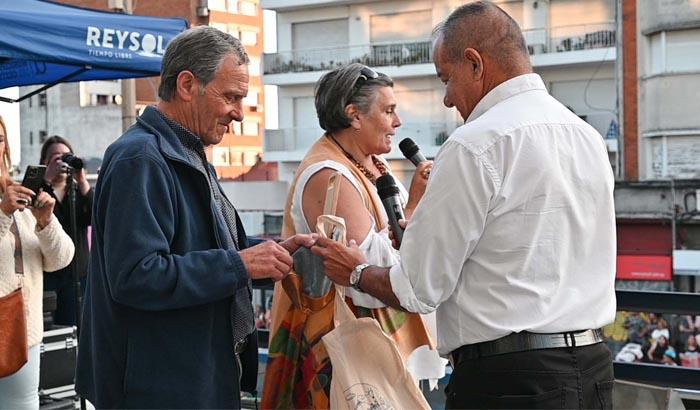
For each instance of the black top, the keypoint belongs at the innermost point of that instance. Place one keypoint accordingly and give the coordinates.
(83, 215)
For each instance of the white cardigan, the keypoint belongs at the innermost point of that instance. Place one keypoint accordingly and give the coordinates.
(47, 250)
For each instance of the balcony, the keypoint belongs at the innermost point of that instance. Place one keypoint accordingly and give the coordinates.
(291, 144)
(374, 55)
(577, 39)
(570, 38)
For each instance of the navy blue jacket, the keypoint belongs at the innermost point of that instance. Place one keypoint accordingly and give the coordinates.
(156, 327)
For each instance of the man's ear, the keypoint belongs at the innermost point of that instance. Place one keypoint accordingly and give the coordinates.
(354, 115)
(187, 85)
(474, 63)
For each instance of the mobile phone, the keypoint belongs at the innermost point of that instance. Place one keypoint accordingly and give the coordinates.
(34, 178)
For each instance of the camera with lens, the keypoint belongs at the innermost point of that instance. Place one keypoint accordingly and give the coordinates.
(72, 161)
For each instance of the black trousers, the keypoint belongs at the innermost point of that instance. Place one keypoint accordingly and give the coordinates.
(562, 378)
(63, 285)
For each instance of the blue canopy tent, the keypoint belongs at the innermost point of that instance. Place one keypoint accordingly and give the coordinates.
(42, 42)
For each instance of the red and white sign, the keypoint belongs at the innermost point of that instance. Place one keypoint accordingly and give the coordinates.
(642, 267)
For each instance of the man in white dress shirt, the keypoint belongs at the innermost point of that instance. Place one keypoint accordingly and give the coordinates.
(513, 243)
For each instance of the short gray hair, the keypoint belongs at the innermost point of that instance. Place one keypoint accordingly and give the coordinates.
(338, 88)
(199, 50)
(484, 26)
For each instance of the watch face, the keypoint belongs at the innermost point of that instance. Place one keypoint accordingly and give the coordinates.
(354, 276)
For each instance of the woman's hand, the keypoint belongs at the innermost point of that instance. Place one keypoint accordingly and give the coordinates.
(418, 185)
(16, 198)
(43, 209)
(82, 181)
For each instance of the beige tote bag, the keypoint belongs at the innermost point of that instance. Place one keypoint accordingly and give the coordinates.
(368, 372)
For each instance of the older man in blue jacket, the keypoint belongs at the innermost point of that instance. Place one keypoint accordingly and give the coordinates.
(168, 318)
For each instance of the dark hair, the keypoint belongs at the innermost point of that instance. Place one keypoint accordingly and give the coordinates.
(468, 24)
(344, 86)
(199, 50)
(56, 139)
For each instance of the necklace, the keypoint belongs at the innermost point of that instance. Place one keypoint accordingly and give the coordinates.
(376, 161)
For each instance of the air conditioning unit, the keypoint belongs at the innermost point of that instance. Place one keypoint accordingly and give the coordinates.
(202, 11)
(686, 262)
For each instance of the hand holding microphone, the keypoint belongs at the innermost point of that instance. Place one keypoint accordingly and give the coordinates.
(420, 179)
(389, 194)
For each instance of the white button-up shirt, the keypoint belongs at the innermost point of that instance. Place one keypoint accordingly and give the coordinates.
(516, 230)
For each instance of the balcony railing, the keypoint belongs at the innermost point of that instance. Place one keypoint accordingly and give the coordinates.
(373, 55)
(545, 40)
(300, 139)
(570, 38)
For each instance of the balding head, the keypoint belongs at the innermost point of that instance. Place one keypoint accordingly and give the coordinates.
(485, 27)
(477, 48)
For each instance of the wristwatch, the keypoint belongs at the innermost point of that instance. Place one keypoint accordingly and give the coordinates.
(356, 275)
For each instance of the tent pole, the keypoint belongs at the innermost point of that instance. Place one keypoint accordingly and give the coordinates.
(128, 88)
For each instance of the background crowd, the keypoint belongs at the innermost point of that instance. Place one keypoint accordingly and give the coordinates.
(654, 338)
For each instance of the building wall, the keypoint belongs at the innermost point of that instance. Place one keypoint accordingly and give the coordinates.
(89, 129)
(669, 88)
(588, 88)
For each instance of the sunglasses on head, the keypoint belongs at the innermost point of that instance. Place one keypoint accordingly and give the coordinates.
(366, 73)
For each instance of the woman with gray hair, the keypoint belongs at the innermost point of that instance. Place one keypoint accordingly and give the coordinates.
(357, 109)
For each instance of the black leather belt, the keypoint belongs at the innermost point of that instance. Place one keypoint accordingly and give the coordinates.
(523, 341)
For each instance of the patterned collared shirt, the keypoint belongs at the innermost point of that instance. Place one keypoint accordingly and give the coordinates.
(194, 149)
(242, 316)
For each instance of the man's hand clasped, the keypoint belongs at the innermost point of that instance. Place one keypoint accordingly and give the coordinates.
(273, 260)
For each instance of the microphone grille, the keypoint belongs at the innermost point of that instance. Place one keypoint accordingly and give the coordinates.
(386, 186)
(408, 147)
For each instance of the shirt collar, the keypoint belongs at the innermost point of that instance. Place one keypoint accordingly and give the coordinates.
(505, 90)
(186, 137)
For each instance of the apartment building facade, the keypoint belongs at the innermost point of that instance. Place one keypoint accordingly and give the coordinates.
(89, 113)
(572, 45)
(668, 78)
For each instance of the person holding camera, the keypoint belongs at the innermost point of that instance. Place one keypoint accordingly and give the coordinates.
(57, 155)
(31, 242)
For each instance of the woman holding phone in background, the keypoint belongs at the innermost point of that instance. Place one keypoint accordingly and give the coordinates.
(31, 241)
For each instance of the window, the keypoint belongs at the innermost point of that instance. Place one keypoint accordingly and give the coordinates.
(232, 6)
(236, 158)
(30, 101)
(305, 36)
(42, 136)
(42, 100)
(250, 158)
(248, 8)
(252, 99)
(31, 137)
(673, 51)
(249, 38)
(218, 5)
(220, 157)
(220, 27)
(237, 128)
(254, 66)
(250, 128)
(401, 27)
(102, 99)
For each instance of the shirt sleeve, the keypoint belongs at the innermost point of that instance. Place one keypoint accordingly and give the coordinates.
(444, 229)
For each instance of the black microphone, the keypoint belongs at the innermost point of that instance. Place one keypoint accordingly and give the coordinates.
(389, 194)
(410, 150)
